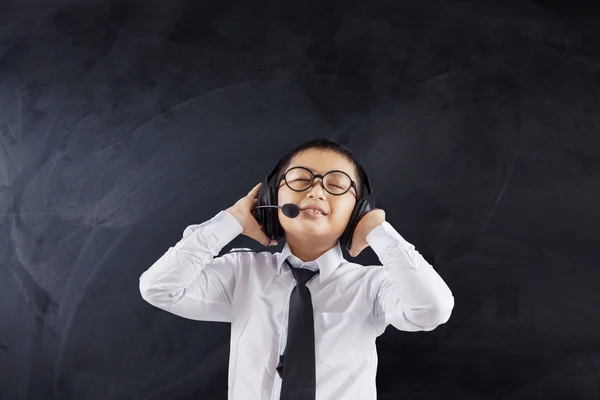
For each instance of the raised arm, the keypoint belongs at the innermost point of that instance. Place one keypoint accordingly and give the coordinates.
(188, 280)
(411, 296)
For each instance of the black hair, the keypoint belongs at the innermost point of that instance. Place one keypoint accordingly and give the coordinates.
(327, 144)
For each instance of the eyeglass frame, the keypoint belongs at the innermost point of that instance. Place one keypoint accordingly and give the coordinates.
(322, 176)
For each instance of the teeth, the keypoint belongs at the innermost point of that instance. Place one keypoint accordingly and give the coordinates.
(315, 211)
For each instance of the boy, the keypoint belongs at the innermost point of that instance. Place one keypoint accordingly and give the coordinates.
(331, 353)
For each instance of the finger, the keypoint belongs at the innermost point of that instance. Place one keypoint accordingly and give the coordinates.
(255, 189)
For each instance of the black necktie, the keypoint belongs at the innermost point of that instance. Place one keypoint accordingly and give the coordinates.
(297, 364)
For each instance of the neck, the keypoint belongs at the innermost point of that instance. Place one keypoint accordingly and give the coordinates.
(308, 251)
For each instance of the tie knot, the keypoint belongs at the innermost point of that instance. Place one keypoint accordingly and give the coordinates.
(302, 275)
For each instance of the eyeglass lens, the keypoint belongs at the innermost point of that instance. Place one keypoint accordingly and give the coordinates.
(300, 179)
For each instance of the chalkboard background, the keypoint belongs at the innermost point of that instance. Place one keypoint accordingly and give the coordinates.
(123, 122)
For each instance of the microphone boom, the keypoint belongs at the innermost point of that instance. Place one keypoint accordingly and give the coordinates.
(290, 210)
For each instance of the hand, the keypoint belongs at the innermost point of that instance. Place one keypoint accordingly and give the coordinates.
(242, 211)
(367, 223)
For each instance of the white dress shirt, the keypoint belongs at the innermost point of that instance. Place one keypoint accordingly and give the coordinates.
(353, 304)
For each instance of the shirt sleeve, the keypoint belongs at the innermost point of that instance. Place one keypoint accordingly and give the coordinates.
(188, 280)
(412, 296)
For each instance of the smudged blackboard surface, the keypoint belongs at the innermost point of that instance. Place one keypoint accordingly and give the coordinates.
(122, 122)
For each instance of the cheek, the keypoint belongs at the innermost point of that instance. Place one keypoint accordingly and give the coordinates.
(286, 198)
(342, 213)
(283, 197)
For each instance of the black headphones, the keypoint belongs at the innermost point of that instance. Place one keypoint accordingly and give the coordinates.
(269, 219)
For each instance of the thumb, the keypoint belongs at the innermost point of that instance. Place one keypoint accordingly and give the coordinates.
(268, 242)
(264, 239)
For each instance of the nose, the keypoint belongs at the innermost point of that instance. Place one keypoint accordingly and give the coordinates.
(320, 185)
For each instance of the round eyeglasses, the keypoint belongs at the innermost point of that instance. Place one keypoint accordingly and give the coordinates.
(335, 182)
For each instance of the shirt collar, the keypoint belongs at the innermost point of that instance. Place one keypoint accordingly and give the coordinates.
(327, 262)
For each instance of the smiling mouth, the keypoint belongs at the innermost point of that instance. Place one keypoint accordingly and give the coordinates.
(313, 213)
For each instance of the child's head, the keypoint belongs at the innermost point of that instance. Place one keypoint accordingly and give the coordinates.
(307, 236)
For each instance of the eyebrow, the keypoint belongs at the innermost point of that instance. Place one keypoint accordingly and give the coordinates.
(304, 166)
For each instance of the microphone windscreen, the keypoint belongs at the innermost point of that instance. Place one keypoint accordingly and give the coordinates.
(290, 210)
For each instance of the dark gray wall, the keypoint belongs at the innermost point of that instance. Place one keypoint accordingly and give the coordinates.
(123, 122)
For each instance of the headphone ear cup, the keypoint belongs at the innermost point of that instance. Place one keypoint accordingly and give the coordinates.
(270, 224)
(276, 229)
(360, 209)
(262, 200)
(268, 217)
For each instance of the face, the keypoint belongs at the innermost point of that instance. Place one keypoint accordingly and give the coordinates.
(320, 231)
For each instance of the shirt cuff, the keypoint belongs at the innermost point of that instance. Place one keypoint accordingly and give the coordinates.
(225, 227)
(217, 231)
(384, 238)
